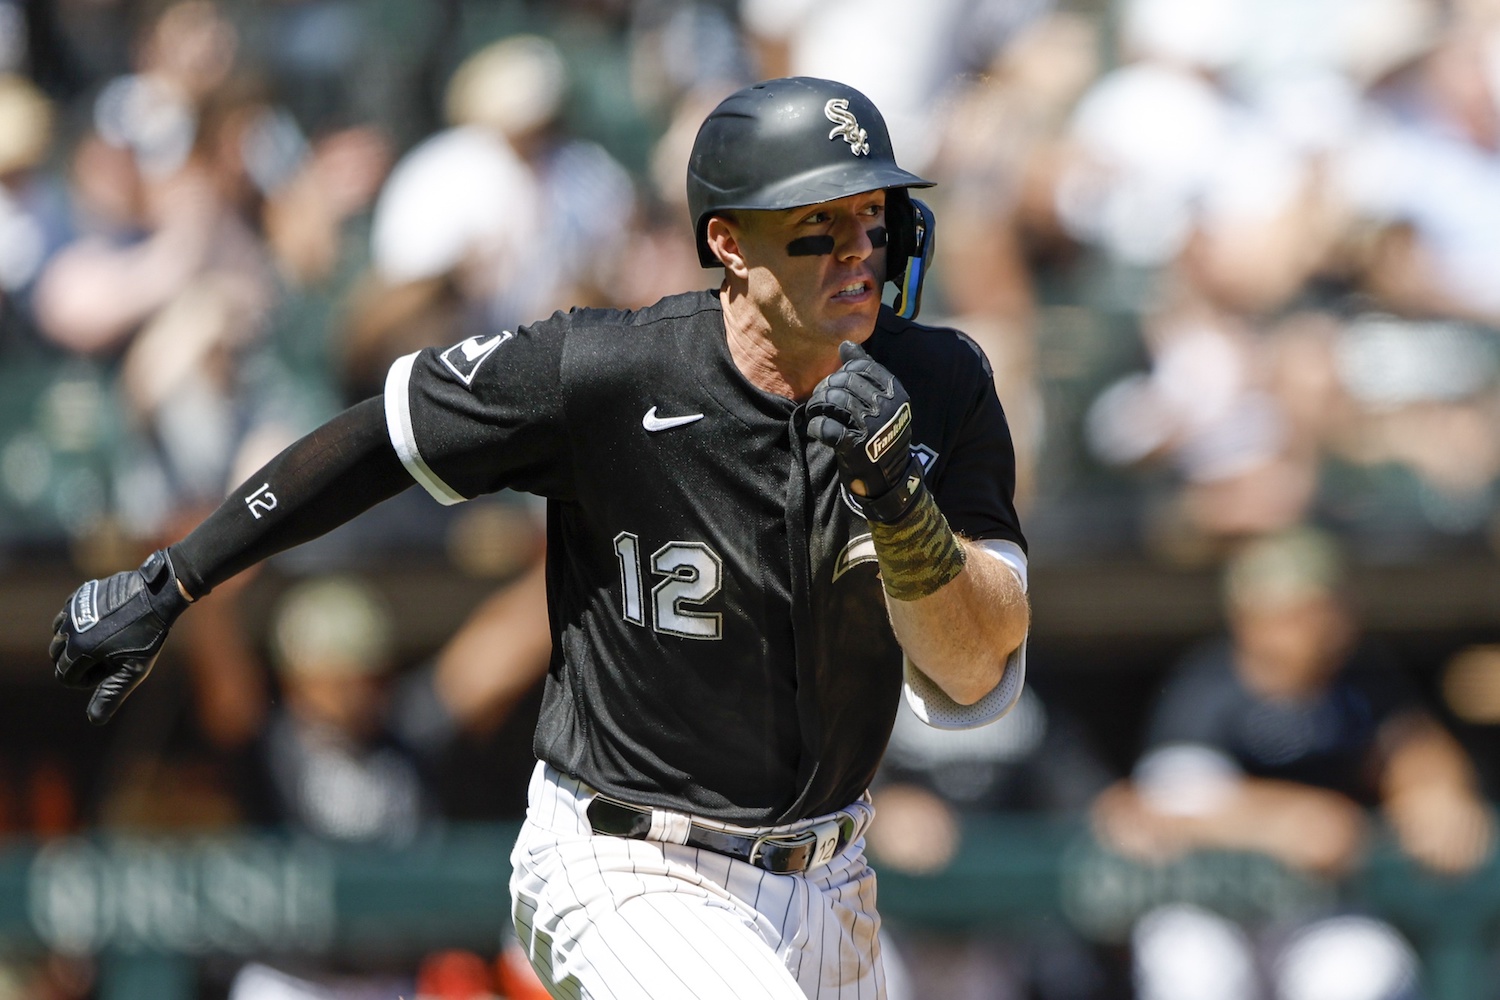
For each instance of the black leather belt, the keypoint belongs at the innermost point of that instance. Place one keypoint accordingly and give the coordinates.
(780, 853)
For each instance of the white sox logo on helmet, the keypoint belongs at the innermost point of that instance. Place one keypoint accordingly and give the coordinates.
(837, 111)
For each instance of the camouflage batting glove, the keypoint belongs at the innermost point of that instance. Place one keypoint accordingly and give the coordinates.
(864, 415)
(109, 633)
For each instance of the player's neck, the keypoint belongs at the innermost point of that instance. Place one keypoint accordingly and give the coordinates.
(774, 361)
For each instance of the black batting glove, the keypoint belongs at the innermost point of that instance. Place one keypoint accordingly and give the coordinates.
(109, 633)
(864, 415)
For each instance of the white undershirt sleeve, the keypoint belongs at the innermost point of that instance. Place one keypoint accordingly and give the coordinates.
(933, 706)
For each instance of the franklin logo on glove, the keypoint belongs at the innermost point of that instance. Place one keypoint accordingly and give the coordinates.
(889, 434)
(85, 607)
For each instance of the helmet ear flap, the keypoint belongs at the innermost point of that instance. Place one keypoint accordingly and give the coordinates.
(908, 299)
(901, 232)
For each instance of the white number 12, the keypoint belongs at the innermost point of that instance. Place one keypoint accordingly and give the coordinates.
(693, 573)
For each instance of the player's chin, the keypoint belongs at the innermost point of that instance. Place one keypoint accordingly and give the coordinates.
(853, 322)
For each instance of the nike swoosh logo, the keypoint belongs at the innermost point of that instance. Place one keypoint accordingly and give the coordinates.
(654, 423)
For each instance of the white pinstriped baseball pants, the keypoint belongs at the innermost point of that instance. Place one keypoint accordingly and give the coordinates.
(604, 918)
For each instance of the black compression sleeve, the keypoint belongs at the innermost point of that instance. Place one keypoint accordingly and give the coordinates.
(327, 478)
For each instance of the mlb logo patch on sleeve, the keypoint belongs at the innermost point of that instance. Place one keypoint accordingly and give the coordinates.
(464, 358)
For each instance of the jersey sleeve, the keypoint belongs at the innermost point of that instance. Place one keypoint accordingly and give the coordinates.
(977, 484)
(484, 414)
(974, 485)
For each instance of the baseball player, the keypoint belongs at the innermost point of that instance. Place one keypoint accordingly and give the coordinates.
(773, 506)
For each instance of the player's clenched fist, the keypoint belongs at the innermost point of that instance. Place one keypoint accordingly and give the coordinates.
(108, 634)
(863, 414)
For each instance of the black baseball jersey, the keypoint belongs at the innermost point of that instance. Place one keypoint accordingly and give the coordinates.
(720, 639)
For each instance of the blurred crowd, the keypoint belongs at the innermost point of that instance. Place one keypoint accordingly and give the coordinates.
(1233, 262)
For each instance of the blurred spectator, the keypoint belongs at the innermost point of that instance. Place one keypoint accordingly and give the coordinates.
(995, 230)
(1417, 441)
(1181, 169)
(1216, 119)
(517, 87)
(334, 766)
(210, 243)
(1295, 207)
(1425, 177)
(318, 52)
(461, 203)
(31, 213)
(1379, 425)
(684, 47)
(1037, 762)
(663, 257)
(355, 748)
(480, 675)
(167, 271)
(354, 751)
(1276, 741)
(908, 67)
(1209, 407)
(316, 226)
(998, 144)
(527, 217)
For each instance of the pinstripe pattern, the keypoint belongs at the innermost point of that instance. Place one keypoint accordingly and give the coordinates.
(604, 917)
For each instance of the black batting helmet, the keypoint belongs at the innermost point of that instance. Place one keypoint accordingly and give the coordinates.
(798, 141)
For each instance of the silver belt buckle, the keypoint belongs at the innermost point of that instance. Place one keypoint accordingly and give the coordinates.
(786, 854)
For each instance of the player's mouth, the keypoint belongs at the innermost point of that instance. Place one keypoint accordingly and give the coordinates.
(853, 291)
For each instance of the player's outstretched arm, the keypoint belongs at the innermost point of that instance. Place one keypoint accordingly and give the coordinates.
(110, 631)
(957, 612)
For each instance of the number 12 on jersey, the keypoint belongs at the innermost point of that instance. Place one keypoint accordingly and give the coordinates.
(692, 573)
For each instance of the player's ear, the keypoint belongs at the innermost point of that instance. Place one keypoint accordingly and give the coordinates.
(723, 240)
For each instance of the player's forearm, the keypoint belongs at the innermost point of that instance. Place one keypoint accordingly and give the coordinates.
(323, 480)
(962, 634)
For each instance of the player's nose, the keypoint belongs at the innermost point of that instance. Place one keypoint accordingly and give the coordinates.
(851, 241)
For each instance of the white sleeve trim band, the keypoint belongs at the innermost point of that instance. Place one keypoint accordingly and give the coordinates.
(398, 425)
(1009, 553)
(933, 706)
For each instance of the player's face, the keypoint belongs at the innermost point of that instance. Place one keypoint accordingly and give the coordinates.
(817, 271)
